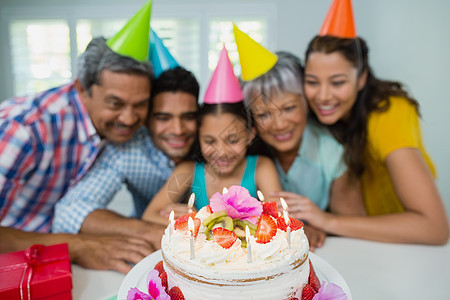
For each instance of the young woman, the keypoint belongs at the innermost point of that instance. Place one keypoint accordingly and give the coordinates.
(307, 157)
(225, 133)
(378, 124)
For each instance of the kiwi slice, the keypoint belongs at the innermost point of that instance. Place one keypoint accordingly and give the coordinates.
(242, 223)
(239, 232)
(228, 223)
(206, 222)
(224, 222)
(212, 223)
(221, 221)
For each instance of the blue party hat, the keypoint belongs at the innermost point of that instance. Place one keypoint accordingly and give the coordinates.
(160, 56)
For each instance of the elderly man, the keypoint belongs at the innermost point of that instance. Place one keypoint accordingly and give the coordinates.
(143, 164)
(48, 141)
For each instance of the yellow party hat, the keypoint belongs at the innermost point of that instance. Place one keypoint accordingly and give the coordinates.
(255, 60)
(133, 39)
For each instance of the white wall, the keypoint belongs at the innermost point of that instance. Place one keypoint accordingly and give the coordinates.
(408, 39)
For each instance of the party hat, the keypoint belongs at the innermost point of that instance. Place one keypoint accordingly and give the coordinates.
(160, 56)
(224, 87)
(132, 39)
(255, 59)
(339, 21)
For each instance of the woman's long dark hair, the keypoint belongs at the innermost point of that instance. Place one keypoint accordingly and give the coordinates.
(375, 96)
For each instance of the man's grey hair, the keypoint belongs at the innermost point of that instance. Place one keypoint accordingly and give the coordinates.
(99, 57)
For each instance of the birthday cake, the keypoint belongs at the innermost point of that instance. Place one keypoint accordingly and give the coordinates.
(234, 248)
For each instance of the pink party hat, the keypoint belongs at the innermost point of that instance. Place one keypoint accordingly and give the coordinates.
(224, 87)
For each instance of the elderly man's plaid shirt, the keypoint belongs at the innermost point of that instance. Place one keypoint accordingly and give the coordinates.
(47, 142)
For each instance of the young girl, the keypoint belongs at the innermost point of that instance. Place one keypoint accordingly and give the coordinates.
(378, 124)
(225, 133)
(224, 136)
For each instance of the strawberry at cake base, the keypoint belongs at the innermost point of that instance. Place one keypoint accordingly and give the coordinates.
(275, 272)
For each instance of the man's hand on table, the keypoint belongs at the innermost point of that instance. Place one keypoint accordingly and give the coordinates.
(117, 253)
(121, 241)
(105, 222)
(151, 233)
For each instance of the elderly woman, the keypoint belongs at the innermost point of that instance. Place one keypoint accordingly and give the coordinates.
(308, 159)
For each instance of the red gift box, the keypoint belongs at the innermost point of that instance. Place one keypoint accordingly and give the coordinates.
(40, 272)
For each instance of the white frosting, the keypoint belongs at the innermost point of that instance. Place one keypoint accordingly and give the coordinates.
(202, 213)
(218, 273)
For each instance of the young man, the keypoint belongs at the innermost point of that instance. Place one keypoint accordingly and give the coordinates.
(143, 164)
(49, 140)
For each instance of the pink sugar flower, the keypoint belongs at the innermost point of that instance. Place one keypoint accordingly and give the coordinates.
(156, 291)
(135, 294)
(238, 203)
(327, 291)
(155, 287)
(330, 291)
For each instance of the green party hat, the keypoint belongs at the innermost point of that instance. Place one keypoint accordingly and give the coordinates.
(133, 39)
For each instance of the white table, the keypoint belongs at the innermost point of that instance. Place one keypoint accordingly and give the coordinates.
(95, 285)
(377, 271)
(372, 270)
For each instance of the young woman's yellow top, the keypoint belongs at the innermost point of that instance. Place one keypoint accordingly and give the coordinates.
(397, 127)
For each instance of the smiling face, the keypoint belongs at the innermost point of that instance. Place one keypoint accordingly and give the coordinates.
(281, 121)
(118, 105)
(331, 86)
(173, 124)
(224, 139)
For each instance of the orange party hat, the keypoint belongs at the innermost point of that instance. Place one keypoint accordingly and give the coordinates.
(339, 21)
